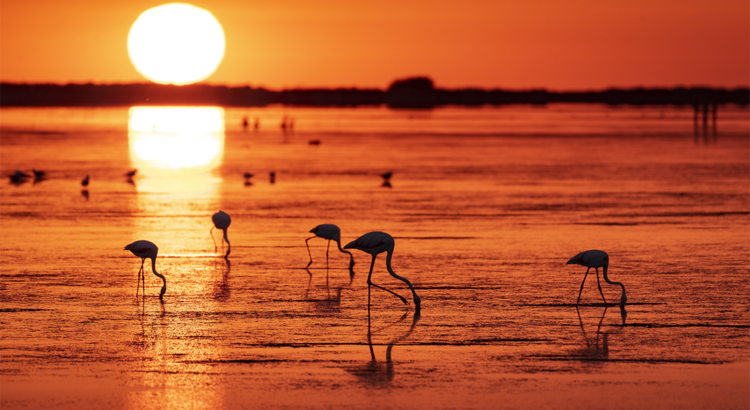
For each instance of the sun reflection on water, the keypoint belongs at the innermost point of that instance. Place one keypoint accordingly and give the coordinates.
(166, 140)
(174, 150)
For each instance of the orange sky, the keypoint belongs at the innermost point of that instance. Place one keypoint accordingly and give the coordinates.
(560, 45)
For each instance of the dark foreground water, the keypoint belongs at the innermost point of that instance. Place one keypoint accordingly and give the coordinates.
(485, 205)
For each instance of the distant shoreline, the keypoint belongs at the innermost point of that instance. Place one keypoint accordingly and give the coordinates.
(92, 95)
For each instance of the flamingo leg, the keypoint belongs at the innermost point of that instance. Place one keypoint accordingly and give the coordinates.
(369, 282)
(139, 279)
(308, 251)
(327, 248)
(584, 281)
(600, 286)
(211, 232)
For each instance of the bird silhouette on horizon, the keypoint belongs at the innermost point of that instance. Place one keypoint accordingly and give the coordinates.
(596, 259)
(376, 243)
(85, 181)
(146, 249)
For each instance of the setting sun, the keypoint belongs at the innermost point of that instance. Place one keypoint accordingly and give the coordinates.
(176, 43)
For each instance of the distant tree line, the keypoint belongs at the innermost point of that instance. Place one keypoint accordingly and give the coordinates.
(415, 92)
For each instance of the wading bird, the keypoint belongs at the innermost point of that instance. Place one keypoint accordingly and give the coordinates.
(131, 174)
(18, 177)
(143, 250)
(85, 181)
(221, 221)
(596, 259)
(375, 243)
(332, 233)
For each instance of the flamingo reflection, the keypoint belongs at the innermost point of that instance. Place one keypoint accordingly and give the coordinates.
(376, 373)
(223, 291)
(597, 347)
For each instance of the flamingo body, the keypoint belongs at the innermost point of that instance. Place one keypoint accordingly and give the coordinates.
(147, 249)
(221, 221)
(596, 259)
(376, 243)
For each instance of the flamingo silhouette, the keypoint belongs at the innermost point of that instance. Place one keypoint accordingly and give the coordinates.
(332, 233)
(375, 243)
(221, 221)
(596, 259)
(146, 249)
(85, 181)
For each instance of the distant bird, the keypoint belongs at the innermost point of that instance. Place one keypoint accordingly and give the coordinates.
(596, 259)
(18, 177)
(314, 142)
(332, 233)
(244, 123)
(85, 181)
(38, 174)
(143, 250)
(375, 243)
(272, 177)
(131, 174)
(387, 179)
(247, 175)
(221, 221)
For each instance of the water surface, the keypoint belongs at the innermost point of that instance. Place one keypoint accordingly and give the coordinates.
(485, 205)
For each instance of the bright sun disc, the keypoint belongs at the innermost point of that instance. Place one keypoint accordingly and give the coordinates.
(176, 43)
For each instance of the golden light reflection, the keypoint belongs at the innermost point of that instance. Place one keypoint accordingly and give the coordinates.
(169, 140)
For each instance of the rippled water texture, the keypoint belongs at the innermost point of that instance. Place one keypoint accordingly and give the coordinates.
(485, 205)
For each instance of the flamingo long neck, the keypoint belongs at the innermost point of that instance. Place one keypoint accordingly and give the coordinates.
(623, 298)
(417, 300)
(229, 245)
(351, 257)
(153, 269)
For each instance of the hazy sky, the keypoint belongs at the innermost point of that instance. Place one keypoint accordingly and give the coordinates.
(560, 45)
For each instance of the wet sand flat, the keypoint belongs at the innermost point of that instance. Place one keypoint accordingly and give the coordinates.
(485, 206)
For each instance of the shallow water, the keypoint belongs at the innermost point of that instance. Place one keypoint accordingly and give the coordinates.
(485, 205)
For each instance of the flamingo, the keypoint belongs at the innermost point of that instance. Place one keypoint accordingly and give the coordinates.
(332, 233)
(596, 259)
(131, 174)
(85, 181)
(221, 221)
(146, 249)
(375, 243)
